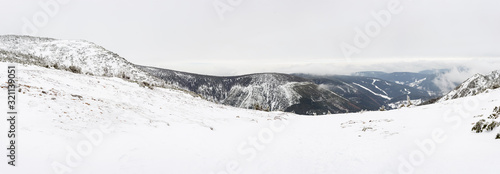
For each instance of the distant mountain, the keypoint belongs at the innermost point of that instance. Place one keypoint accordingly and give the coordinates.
(299, 93)
(78, 56)
(367, 92)
(423, 80)
(475, 85)
(268, 90)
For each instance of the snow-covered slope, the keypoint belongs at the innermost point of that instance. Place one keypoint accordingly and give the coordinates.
(475, 85)
(73, 55)
(168, 131)
(423, 80)
(273, 91)
(366, 92)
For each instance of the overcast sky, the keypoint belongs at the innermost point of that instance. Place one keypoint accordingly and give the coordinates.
(229, 37)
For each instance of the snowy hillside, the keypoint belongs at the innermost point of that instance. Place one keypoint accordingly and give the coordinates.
(423, 80)
(367, 92)
(273, 91)
(475, 85)
(75, 123)
(78, 56)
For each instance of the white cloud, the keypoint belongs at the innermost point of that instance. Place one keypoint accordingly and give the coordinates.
(271, 36)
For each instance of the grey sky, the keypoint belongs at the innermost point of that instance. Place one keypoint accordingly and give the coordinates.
(272, 35)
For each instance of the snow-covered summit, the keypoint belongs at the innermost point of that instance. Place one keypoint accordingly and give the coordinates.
(74, 55)
(475, 85)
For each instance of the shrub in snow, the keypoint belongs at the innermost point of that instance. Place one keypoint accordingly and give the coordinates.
(366, 128)
(498, 136)
(482, 125)
(123, 76)
(495, 114)
(266, 109)
(75, 69)
(492, 126)
(478, 127)
(257, 107)
(146, 85)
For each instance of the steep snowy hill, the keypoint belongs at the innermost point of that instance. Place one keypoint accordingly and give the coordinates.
(276, 92)
(75, 123)
(78, 56)
(475, 85)
(368, 93)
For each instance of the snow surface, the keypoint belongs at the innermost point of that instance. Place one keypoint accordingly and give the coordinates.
(169, 131)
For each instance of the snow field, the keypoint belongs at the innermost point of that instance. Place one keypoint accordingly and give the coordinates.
(169, 131)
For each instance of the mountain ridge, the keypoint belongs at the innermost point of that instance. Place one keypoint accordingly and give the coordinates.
(299, 93)
(422, 80)
(78, 56)
(476, 84)
(274, 91)
(371, 93)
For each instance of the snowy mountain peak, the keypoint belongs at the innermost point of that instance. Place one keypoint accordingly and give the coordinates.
(78, 56)
(477, 84)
